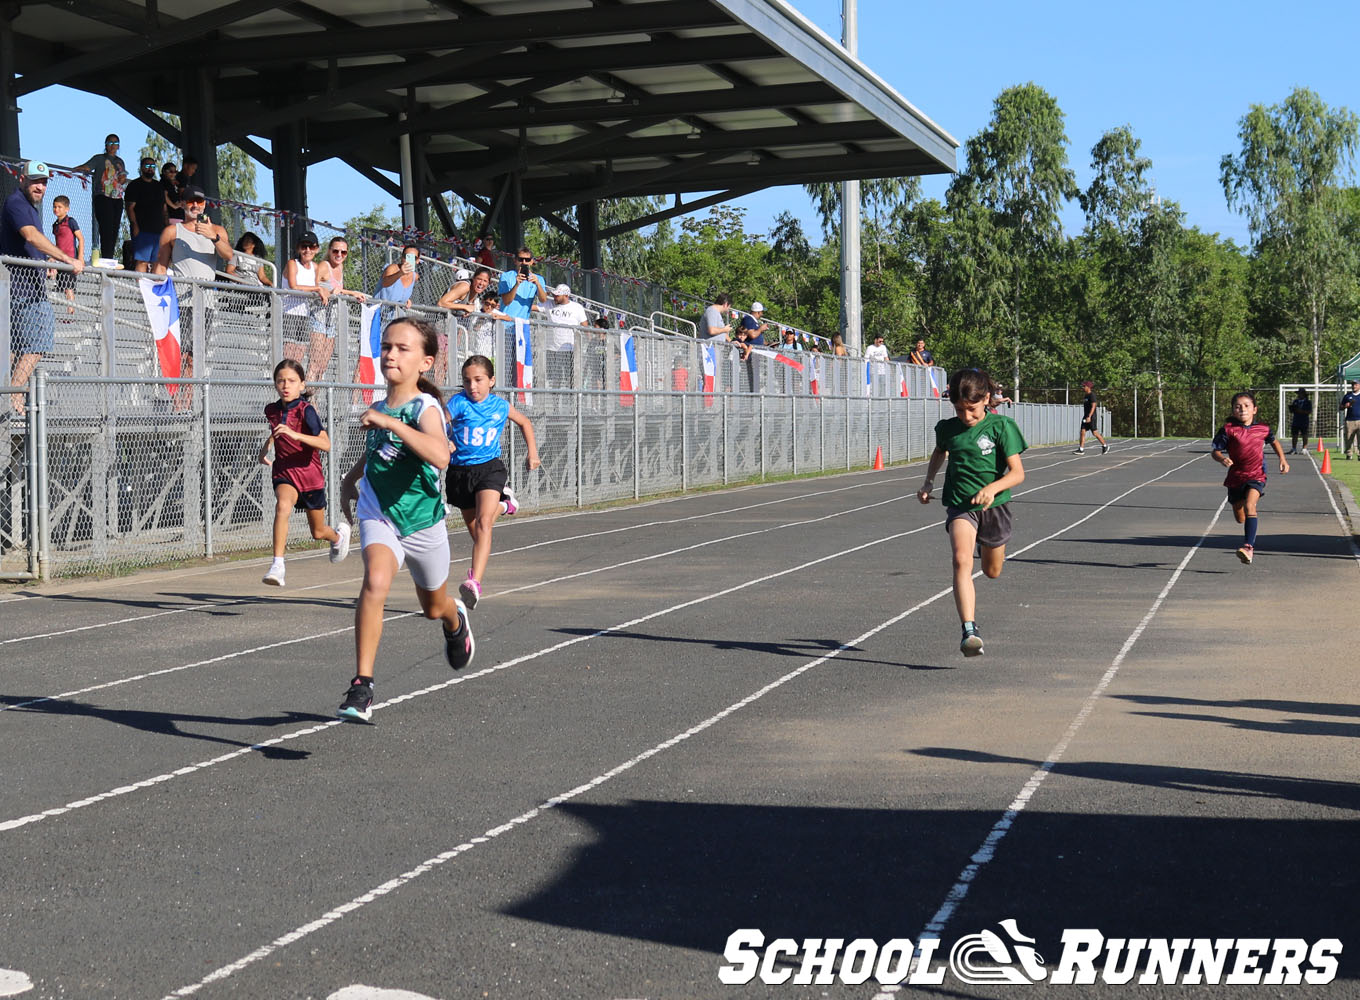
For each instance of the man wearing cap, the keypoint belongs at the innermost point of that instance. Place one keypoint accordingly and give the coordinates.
(31, 323)
(145, 198)
(110, 178)
(194, 248)
(565, 315)
(751, 333)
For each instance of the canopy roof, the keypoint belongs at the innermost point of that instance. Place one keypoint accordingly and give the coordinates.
(577, 99)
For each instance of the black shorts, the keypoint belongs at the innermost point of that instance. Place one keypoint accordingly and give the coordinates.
(1236, 494)
(464, 482)
(1297, 426)
(307, 499)
(1088, 425)
(993, 524)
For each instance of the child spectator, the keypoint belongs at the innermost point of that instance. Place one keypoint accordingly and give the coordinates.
(70, 240)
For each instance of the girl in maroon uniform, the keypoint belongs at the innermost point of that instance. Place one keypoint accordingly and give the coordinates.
(298, 439)
(1240, 448)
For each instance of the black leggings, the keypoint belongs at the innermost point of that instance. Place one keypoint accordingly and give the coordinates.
(108, 215)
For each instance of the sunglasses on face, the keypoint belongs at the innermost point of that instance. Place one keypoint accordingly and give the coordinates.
(525, 260)
(195, 201)
(342, 253)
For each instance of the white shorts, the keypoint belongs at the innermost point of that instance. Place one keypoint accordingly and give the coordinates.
(426, 549)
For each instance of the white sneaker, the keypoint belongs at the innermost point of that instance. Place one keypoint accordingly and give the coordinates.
(340, 547)
(509, 504)
(275, 575)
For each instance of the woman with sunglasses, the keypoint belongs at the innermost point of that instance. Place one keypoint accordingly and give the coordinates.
(521, 288)
(332, 276)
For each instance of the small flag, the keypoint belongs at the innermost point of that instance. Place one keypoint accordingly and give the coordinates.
(370, 347)
(162, 310)
(628, 380)
(902, 381)
(868, 378)
(934, 386)
(710, 372)
(524, 360)
(765, 352)
(813, 375)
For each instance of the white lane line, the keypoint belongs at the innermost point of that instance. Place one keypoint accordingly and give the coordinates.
(1346, 530)
(987, 849)
(393, 884)
(13, 982)
(505, 665)
(124, 621)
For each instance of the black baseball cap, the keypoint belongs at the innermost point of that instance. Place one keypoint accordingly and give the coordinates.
(308, 239)
(194, 193)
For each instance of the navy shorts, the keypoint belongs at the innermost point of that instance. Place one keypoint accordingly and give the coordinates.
(1236, 494)
(464, 482)
(32, 326)
(145, 246)
(993, 524)
(307, 499)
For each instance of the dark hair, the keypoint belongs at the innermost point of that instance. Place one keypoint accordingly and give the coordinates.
(524, 250)
(168, 165)
(429, 342)
(338, 239)
(1247, 393)
(968, 385)
(480, 361)
(409, 246)
(722, 299)
(491, 296)
(61, 199)
(479, 271)
(289, 364)
(255, 242)
(189, 159)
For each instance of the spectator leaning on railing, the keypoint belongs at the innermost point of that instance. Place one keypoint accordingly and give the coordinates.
(31, 323)
(711, 323)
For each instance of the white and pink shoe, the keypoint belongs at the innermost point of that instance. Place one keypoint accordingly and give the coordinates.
(470, 591)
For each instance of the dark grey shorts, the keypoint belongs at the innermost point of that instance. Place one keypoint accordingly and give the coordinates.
(993, 524)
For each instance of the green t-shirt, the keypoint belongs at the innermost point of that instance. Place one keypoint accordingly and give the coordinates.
(397, 481)
(977, 457)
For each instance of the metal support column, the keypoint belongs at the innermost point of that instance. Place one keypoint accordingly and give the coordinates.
(588, 226)
(200, 127)
(9, 105)
(850, 264)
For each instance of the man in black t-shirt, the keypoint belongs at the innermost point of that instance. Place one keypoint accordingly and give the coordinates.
(145, 200)
(1088, 421)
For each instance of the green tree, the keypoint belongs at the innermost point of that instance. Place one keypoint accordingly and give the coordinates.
(235, 169)
(1287, 180)
(1008, 203)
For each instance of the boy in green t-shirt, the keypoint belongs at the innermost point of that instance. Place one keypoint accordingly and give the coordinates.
(984, 463)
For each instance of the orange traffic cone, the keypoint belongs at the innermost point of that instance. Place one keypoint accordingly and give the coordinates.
(878, 460)
(1326, 463)
(1319, 447)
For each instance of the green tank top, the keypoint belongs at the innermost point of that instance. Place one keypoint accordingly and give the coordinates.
(404, 485)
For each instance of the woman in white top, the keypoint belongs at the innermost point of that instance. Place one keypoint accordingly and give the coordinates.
(194, 248)
(304, 314)
(336, 252)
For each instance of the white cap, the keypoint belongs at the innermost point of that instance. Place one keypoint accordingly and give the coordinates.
(562, 290)
(462, 274)
(757, 307)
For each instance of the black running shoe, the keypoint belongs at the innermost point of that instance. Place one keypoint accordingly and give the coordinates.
(1104, 448)
(358, 703)
(971, 642)
(459, 646)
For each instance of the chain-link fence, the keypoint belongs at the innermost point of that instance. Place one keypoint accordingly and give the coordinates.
(129, 471)
(18, 490)
(1192, 411)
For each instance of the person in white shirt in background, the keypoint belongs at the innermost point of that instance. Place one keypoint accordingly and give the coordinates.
(564, 314)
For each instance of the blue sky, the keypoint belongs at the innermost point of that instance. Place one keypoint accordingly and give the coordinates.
(1181, 74)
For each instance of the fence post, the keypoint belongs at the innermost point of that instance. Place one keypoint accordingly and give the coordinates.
(821, 436)
(684, 443)
(793, 432)
(637, 448)
(207, 471)
(847, 427)
(760, 438)
(333, 494)
(580, 454)
(725, 440)
(31, 434)
(1135, 413)
(1213, 408)
(44, 524)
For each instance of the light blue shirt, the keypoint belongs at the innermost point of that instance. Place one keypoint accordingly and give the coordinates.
(526, 294)
(477, 428)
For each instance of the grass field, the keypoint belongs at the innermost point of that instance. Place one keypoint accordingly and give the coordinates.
(1347, 471)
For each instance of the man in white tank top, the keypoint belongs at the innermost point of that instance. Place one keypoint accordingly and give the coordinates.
(194, 248)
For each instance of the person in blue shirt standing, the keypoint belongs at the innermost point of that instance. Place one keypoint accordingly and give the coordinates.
(477, 479)
(521, 288)
(32, 325)
(1350, 406)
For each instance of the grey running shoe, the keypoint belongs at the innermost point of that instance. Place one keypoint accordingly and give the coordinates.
(971, 642)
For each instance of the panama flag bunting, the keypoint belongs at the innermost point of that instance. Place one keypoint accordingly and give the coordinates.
(813, 375)
(710, 373)
(524, 361)
(628, 380)
(934, 385)
(902, 381)
(783, 358)
(370, 348)
(162, 310)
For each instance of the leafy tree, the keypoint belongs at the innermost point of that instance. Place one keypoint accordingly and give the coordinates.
(235, 169)
(1287, 180)
(1009, 201)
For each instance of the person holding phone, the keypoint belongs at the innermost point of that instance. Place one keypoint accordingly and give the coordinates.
(521, 288)
(399, 277)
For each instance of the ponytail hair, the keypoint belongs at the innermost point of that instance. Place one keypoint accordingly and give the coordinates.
(429, 344)
(968, 385)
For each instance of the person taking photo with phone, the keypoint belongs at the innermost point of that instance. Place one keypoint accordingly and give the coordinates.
(521, 288)
(399, 277)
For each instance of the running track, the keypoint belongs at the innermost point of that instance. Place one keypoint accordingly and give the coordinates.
(735, 709)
